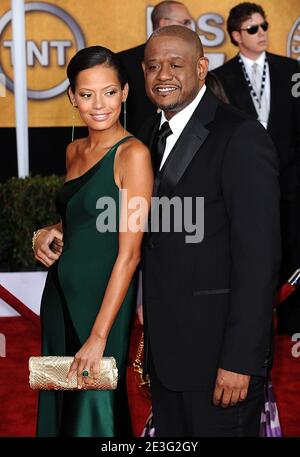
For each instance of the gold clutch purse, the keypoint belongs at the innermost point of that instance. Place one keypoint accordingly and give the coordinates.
(50, 373)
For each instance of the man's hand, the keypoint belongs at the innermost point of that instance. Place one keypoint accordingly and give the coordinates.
(230, 388)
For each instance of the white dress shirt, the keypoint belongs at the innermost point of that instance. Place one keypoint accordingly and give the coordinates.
(178, 122)
(263, 115)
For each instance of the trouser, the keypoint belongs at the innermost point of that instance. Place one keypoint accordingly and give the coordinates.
(192, 414)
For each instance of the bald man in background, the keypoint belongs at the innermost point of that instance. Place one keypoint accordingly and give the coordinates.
(139, 107)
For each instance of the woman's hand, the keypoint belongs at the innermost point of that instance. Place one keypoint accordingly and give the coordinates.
(49, 236)
(88, 358)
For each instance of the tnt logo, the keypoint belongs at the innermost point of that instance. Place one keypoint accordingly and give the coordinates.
(52, 37)
(2, 345)
(296, 348)
(293, 43)
(42, 54)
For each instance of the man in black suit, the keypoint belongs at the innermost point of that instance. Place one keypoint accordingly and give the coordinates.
(260, 83)
(139, 107)
(207, 305)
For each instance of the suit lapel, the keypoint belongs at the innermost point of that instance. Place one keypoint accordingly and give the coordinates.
(187, 145)
(180, 157)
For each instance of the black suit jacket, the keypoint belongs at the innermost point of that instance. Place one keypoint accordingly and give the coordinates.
(209, 305)
(139, 107)
(284, 119)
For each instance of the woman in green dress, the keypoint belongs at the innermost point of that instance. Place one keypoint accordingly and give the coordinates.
(88, 302)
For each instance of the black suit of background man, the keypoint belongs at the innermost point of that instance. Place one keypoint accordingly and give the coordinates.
(284, 129)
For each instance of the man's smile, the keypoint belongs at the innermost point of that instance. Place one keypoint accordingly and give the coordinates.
(164, 90)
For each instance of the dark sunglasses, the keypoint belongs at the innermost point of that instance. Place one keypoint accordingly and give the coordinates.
(253, 29)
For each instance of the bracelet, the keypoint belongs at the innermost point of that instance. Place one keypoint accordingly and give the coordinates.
(35, 236)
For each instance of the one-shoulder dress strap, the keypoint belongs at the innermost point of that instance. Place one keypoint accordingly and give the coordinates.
(122, 141)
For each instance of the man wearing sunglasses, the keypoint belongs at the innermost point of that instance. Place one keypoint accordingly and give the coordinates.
(260, 83)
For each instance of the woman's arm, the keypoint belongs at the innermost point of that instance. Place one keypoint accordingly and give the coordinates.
(42, 241)
(53, 234)
(136, 177)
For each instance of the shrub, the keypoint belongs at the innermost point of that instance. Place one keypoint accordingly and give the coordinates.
(25, 205)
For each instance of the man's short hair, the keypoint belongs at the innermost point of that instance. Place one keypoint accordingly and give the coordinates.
(179, 32)
(240, 13)
(161, 10)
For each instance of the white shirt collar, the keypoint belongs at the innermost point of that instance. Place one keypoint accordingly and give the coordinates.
(179, 120)
(249, 62)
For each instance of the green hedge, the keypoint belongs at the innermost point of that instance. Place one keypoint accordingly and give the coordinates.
(25, 205)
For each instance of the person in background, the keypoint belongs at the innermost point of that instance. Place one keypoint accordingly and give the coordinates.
(260, 83)
(139, 107)
(214, 84)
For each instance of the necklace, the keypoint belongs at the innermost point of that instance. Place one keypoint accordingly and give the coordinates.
(256, 97)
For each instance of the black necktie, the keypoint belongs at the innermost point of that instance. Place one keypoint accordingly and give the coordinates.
(162, 136)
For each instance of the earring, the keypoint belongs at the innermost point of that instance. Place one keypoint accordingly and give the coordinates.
(124, 115)
(73, 123)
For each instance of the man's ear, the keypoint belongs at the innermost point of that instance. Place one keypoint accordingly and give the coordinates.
(202, 67)
(236, 36)
(125, 92)
(144, 67)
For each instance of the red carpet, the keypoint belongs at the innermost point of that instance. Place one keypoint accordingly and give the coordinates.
(19, 402)
(16, 398)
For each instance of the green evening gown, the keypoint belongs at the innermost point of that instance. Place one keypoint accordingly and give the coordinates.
(71, 299)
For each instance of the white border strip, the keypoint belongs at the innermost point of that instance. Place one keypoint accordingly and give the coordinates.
(20, 82)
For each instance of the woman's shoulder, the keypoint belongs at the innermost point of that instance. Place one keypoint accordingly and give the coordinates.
(75, 145)
(133, 148)
(72, 150)
(133, 157)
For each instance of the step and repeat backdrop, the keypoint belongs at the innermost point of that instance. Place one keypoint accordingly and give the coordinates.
(55, 30)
